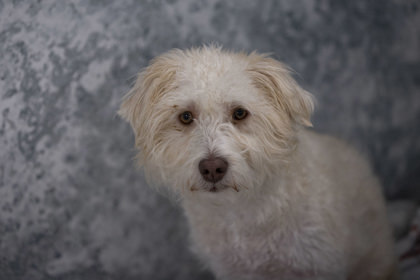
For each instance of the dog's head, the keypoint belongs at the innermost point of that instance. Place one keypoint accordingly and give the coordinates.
(208, 120)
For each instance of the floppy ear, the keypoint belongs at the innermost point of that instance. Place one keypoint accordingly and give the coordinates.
(152, 83)
(273, 78)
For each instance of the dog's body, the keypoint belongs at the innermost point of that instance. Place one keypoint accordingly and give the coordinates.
(265, 197)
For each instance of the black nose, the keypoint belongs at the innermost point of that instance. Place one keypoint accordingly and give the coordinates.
(213, 169)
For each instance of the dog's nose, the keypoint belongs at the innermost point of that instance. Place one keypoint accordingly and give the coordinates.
(213, 169)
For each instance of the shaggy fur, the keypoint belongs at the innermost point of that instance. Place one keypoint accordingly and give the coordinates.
(293, 204)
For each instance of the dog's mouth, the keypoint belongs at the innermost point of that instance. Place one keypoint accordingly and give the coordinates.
(215, 188)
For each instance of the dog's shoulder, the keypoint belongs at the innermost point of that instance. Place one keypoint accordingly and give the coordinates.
(329, 149)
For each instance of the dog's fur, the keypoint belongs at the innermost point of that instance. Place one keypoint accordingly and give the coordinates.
(293, 204)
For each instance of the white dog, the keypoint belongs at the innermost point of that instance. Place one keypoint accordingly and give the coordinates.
(265, 197)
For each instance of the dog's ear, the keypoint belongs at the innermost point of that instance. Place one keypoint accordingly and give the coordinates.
(272, 77)
(151, 84)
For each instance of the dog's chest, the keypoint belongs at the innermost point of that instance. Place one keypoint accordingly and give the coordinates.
(237, 246)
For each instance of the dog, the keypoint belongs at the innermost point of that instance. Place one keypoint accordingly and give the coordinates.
(265, 196)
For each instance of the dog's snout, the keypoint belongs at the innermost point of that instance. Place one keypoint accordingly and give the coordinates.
(213, 169)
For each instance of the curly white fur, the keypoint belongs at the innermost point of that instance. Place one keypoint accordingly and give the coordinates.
(293, 204)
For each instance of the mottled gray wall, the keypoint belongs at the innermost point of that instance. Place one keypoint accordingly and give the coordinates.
(72, 206)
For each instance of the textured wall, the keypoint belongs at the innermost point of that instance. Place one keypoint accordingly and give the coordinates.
(72, 206)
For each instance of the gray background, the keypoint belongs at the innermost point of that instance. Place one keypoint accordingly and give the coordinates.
(72, 206)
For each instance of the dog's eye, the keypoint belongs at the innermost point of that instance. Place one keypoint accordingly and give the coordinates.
(239, 114)
(186, 117)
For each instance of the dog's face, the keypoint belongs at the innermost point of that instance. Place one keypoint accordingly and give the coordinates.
(206, 120)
